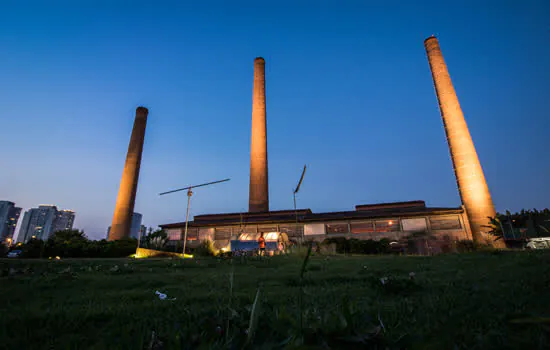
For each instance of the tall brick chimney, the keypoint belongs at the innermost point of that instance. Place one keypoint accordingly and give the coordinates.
(259, 192)
(472, 186)
(122, 218)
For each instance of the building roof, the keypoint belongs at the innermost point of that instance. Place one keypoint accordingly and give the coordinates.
(369, 211)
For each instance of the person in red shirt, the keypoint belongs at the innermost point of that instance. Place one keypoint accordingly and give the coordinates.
(261, 244)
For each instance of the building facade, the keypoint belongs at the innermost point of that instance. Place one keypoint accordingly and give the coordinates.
(394, 221)
(9, 216)
(143, 231)
(41, 222)
(37, 223)
(64, 220)
(135, 228)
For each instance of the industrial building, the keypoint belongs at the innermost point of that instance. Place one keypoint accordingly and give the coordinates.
(394, 221)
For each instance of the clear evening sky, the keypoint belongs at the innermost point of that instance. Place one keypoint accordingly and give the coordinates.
(349, 93)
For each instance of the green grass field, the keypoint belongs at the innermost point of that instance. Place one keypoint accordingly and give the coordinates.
(497, 300)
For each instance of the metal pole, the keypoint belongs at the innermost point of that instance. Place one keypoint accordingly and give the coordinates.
(512, 226)
(502, 228)
(189, 194)
(295, 210)
(296, 215)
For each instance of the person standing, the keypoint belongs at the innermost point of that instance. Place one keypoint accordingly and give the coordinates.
(284, 241)
(261, 244)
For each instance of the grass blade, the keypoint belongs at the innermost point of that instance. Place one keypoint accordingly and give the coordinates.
(230, 301)
(306, 260)
(301, 289)
(254, 316)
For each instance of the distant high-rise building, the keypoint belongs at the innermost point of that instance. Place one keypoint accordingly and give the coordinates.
(13, 218)
(64, 220)
(41, 222)
(135, 228)
(9, 215)
(136, 225)
(37, 223)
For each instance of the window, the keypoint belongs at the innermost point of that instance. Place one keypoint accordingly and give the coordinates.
(245, 229)
(387, 225)
(314, 229)
(362, 227)
(206, 234)
(445, 223)
(192, 233)
(174, 234)
(267, 228)
(414, 225)
(337, 228)
(291, 230)
(222, 233)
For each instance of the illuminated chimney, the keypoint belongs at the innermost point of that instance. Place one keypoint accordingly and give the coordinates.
(122, 218)
(468, 172)
(259, 191)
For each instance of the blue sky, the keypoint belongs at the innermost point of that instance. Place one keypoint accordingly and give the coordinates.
(349, 93)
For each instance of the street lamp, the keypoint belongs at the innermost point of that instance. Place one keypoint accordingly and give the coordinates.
(189, 194)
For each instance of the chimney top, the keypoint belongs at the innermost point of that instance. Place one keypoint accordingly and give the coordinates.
(430, 38)
(142, 111)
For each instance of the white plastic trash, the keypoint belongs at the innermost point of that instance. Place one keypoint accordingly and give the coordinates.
(163, 296)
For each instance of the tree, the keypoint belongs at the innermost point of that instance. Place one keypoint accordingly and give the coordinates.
(33, 248)
(73, 243)
(495, 228)
(68, 237)
(520, 225)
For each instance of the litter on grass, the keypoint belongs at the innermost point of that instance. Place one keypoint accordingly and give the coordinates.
(163, 296)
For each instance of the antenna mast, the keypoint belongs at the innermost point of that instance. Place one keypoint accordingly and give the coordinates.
(189, 194)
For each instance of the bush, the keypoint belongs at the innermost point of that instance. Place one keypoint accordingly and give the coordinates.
(206, 248)
(464, 246)
(3, 250)
(34, 248)
(357, 246)
(79, 248)
(157, 240)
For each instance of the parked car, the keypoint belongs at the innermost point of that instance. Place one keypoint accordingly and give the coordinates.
(538, 243)
(14, 253)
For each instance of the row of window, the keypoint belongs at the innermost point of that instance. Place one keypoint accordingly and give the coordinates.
(396, 225)
(391, 225)
(450, 222)
(225, 233)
